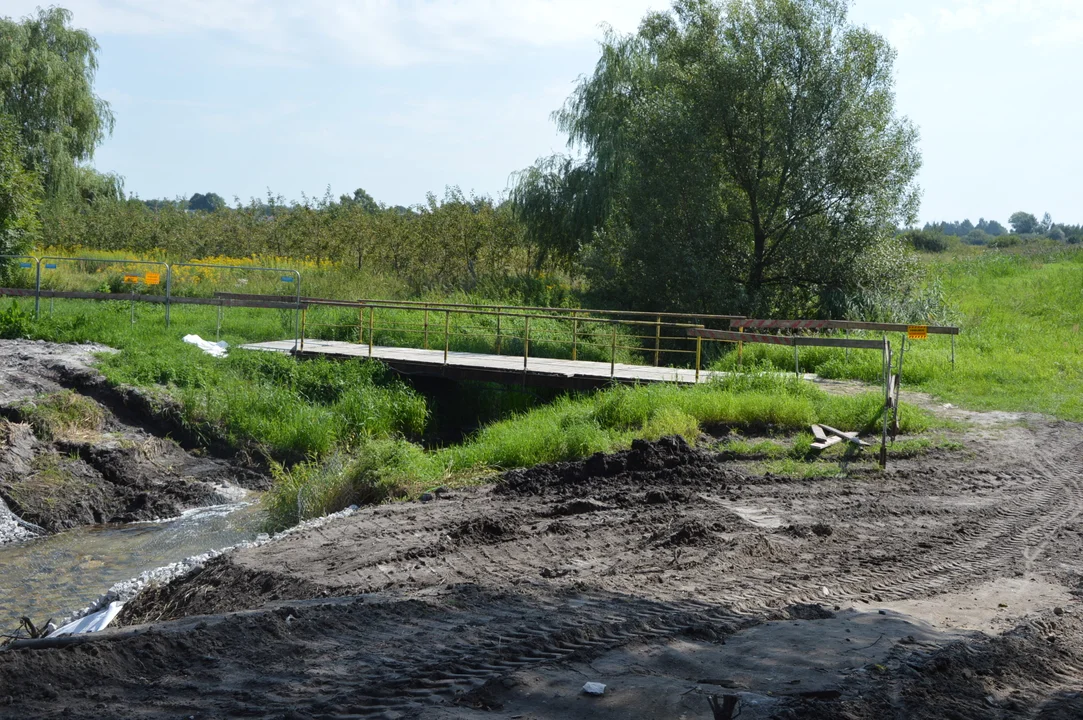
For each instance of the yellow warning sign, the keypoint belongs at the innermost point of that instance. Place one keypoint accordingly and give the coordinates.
(153, 278)
(917, 332)
(132, 278)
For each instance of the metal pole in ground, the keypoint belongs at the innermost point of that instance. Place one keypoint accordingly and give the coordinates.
(699, 354)
(426, 327)
(953, 352)
(796, 358)
(37, 292)
(168, 290)
(898, 385)
(218, 329)
(885, 373)
(499, 339)
(304, 317)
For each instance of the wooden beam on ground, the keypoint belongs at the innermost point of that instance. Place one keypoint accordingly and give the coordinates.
(848, 436)
(819, 433)
(826, 443)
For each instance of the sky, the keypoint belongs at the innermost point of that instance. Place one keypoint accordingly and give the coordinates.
(239, 97)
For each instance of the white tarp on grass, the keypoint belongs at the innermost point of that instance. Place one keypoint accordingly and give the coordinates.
(217, 349)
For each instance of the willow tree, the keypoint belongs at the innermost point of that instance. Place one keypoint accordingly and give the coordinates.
(47, 73)
(741, 155)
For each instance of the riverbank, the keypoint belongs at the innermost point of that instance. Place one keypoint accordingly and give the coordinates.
(667, 572)
(76, 450)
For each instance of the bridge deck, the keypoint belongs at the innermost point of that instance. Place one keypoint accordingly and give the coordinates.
(544, 372)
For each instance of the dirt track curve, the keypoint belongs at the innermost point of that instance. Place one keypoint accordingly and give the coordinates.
(465, 604)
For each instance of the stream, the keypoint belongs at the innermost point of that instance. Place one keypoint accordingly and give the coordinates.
(56, 575)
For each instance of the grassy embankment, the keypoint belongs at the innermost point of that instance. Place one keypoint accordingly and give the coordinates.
(340, 433)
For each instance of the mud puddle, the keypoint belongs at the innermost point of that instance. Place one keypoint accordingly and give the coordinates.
(55, 575)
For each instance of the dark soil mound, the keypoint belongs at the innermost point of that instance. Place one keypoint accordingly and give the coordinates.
(685, 533)
(485, 530)
(219, 586)
(659, 468)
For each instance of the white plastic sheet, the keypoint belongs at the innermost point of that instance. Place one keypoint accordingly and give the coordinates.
(217, 349)
(90, 623)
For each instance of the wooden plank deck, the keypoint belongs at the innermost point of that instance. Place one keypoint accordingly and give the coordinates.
(507, 369)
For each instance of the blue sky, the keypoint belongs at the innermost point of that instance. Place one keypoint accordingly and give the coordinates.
(403, 98)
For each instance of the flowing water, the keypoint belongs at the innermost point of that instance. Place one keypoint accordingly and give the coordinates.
(53, 576)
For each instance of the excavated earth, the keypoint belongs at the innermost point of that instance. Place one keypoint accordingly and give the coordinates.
(126, 468)
(946, 586)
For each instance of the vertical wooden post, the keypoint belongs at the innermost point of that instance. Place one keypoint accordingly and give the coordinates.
(575, 333)
(657, 338)
(447, 333)
(372, 312)
(426, 327)
(526, 342)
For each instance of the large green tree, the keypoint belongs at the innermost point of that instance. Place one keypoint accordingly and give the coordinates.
(739, 155)
(47, 73)
(19, 196)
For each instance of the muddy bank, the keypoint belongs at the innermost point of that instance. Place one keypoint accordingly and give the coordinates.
(667, 572)
(76, 451)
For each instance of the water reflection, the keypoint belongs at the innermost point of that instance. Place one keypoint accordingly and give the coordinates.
(58, 574)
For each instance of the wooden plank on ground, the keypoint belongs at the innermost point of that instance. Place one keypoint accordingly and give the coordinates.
(819, 433)
(850, 436)
(824, 444)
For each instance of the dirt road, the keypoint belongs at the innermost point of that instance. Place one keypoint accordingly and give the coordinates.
(664, 572)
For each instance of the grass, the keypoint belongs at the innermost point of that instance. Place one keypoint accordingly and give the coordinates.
(63, 414)
(1020, 349)
(574, 426)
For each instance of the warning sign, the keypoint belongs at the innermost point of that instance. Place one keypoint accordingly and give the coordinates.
(917, 332)
(132, 278)
(153, 278)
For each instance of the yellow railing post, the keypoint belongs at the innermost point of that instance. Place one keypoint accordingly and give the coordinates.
(447, 333)
(372, 313)
(426, 327)
(575, 333)
(699, 355)
(613, 352)
(526, 342)
(657, 338)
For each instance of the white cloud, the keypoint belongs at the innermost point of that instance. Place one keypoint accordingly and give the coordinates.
(366, 32)
(905, 31)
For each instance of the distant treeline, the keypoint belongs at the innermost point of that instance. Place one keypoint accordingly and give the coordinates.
(937, 237)
(446, 243)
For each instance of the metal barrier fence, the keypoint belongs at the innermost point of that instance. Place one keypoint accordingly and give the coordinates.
(165, 277)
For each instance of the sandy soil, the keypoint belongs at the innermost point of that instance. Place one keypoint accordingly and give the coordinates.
(128, 469)
(664, 572)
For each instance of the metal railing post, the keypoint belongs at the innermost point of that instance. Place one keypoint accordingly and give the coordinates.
(361, 324)
(953, 352)
(426, 327)
(613, 353)
(796, 358)
(304, 315)
(526, 342)
(657, 338)
(740, 348)
(447, 333)
(498, 337)
(218, 329)
(699, 355)
(372, 325)
(575, 333)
